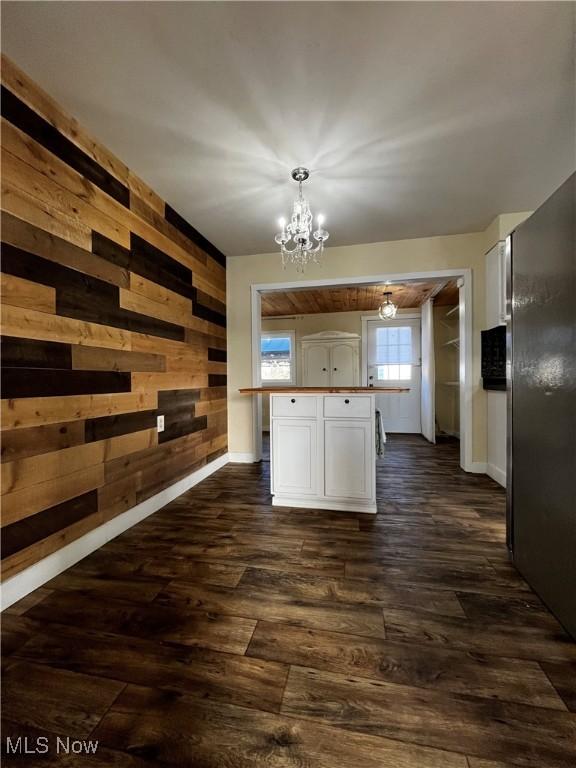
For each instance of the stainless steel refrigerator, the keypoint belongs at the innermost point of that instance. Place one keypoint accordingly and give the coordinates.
(542, 402)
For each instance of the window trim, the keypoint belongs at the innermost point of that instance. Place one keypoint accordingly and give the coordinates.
(293, 357)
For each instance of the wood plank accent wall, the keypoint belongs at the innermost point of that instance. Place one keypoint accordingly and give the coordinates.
(113, 312)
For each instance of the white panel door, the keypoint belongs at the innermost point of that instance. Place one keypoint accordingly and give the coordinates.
(295, 457)
(348, 465)
(343, 364)
(393, 360)
(315, 365)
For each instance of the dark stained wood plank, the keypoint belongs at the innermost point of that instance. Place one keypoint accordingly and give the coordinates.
(451, 576)
(20, 607)
(491, 729)
(280, 559)
(105, 427)
(264, 604)
(298, 587)
(438, 669)
(192, 234)
(190, 627)
(96, 583)
(525, 611)
(217, 355)
(563, 678)
(22, 443)
(39, 382)
(198, 672)
(55, 699)
(20, 115)
(172, 568)
(479, 637)
(31, 353)
(16, 630)
(179, 730)
(31, 530)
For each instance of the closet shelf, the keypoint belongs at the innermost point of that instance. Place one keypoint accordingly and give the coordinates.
(455, 342)
(452, 311)
(451, 383)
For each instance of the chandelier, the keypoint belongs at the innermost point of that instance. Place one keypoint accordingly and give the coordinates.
(387, 310)
(304, 249)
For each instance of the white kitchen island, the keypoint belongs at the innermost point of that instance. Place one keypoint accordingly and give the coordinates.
(323, 453)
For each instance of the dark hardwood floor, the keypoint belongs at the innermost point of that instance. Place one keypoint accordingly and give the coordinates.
(224, 633)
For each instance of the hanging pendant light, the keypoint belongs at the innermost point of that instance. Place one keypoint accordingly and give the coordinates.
(387, 310)
(307, 245)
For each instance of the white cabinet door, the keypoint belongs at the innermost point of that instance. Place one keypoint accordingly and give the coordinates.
(495, 275)
(344, 364)
(295, 457)
(315, 365)
(349, 459)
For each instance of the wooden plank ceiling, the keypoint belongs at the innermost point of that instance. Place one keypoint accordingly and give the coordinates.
(355, 298)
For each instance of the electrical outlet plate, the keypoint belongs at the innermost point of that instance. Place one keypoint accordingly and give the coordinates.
(160, 423)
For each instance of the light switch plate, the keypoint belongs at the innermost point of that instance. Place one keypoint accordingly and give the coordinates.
(160, 423)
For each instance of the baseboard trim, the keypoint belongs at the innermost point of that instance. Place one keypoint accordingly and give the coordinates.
(36, 575)
(497, 474)
(242, 458)
(335, 506)
(477, 467)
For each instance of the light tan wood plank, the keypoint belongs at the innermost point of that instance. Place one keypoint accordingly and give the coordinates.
(21, 504)
(146, 288)
(27, 207)
(204, 407)
(31, 324)
(22, 176)
(32, 412)
(99, 359)
(152, 382)
(19, 292)
(218, 292)
(39, 469)
(145, 193)
(22, 443)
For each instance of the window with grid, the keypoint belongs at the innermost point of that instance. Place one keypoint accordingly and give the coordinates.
(393, 353)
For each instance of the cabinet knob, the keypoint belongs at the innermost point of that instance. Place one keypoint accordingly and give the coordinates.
(346, 401)
(324, 369)
(293, 400)
(335, 369)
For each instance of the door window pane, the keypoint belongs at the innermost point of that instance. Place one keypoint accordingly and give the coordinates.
(393, 345)
(394, 372)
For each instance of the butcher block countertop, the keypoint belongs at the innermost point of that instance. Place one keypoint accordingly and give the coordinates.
(319, 390)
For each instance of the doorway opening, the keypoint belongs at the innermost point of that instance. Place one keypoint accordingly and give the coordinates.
(302, 335)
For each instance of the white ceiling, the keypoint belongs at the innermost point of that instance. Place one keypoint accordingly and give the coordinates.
(417, 119)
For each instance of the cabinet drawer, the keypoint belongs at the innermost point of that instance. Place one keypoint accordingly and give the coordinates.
(343, 406)
(294, 405)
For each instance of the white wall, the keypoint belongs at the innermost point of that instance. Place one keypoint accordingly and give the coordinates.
(395, 257)
(453, 252)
